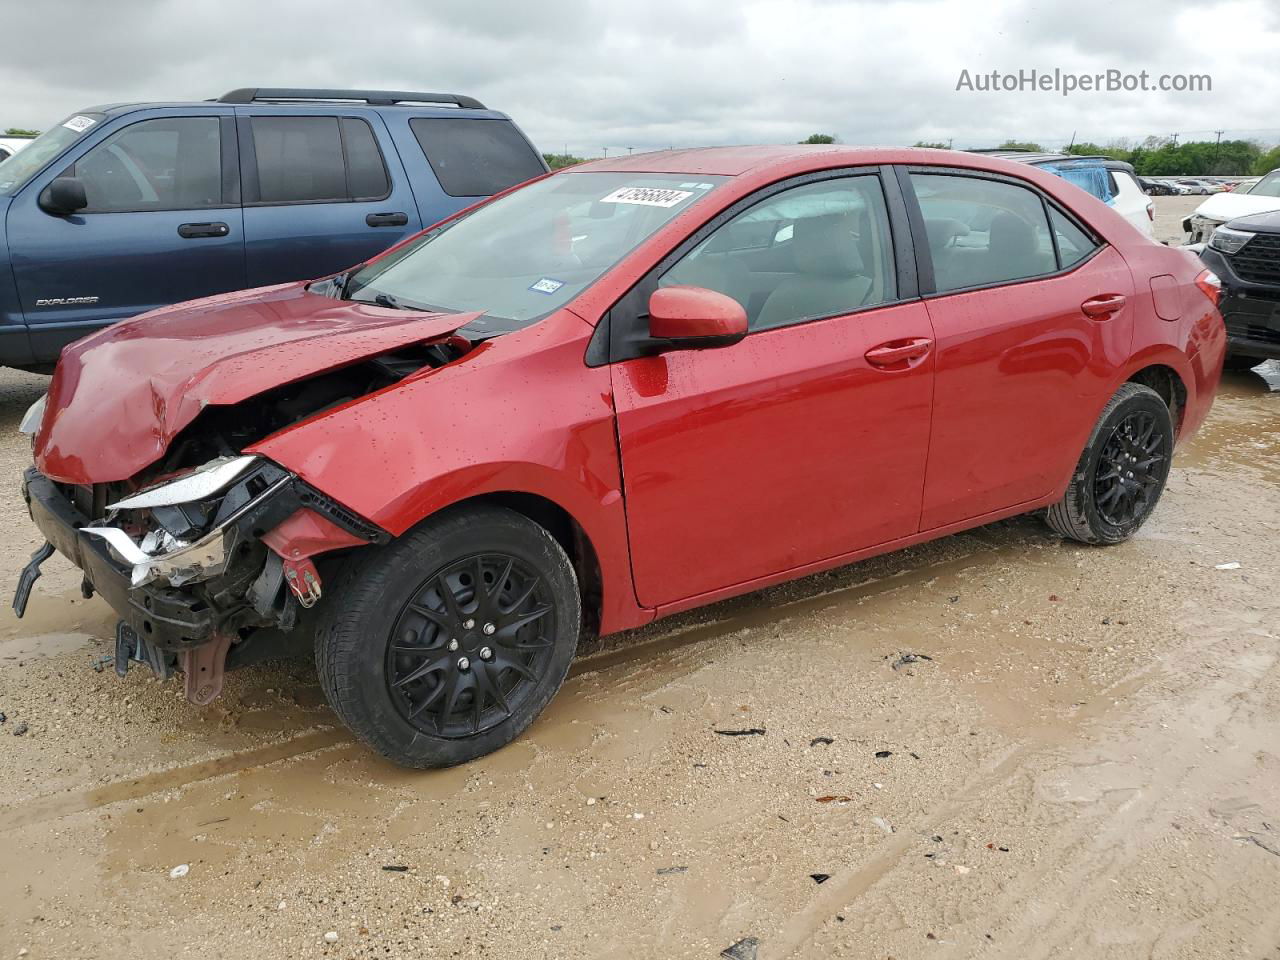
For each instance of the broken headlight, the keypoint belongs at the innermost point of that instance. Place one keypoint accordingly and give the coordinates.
(185, 529)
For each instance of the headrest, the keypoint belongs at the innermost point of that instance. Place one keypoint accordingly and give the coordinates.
(826, 246)
(1011, 236)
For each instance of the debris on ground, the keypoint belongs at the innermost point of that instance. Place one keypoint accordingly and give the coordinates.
(3, 718)
(882, 754)
(668, 871)
(992, 846)
(331, 936)
(1054, 598)
(744, 949)
(395, 868)
(827, 741)
(1233, 565)
(20, 729)
(883, 824)
(752, 732)
(180, 871)
(834, 799)
(819, 878)
(908, 658)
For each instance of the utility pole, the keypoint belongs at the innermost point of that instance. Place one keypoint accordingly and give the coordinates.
(606, 153)
(629, 149)
(1174, 138)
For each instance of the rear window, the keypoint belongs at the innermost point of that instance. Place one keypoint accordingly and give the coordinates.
(317, 159)
(475, 158)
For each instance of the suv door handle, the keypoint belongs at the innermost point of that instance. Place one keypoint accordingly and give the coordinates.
(895, 352)
(387, 219)
(1102, 307)
(192, 230)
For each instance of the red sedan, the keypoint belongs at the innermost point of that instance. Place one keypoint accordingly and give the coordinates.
(619, 391)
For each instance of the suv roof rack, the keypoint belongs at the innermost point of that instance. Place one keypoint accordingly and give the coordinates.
(372, 97)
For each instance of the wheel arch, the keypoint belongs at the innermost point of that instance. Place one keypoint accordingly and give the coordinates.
(569, 533)
(1167, 382)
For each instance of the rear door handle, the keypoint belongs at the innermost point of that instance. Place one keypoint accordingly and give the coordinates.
(387, 219)
(192, 230)
(1102, 307)
(898, 354)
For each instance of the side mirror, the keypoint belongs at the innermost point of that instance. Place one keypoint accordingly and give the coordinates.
(692, 318)
(63, 196)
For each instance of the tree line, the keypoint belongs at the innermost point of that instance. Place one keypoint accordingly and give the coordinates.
(1165, 157)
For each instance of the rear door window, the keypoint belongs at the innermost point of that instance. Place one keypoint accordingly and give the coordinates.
(318, 160)
(983, 232)
(173, 163)
(475, 158)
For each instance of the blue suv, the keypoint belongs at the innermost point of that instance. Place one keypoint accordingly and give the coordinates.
(128, 207)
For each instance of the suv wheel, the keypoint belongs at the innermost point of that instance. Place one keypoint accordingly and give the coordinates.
(446, 644)
(1122, 472)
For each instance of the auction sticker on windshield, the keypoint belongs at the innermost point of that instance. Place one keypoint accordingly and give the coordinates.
(79, 124)
(647, 196)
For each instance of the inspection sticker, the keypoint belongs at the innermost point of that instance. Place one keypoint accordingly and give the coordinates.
(647, 196)
(80, 124)
(547, 285)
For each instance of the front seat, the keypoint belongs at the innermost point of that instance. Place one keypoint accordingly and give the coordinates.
(829, 278)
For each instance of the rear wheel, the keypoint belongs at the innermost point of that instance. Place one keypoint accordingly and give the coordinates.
(1122, 472)
(445, 645)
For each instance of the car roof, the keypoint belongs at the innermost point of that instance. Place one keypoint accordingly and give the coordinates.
(307, 106)
(739, 161)
(1032, 157)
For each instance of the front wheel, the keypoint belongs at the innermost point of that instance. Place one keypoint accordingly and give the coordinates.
(1122, 472)
(444, 646)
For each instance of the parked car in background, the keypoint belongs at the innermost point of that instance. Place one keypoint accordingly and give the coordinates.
(1116, 183)
(1155, 188)
(11, 145)
(1262, 197)
(1243, 186)
(554, 414)
(1202, 187)
(1245, 254)
(125, 208)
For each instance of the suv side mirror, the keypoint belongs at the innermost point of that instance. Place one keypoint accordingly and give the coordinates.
(692, 318)
(63, 196)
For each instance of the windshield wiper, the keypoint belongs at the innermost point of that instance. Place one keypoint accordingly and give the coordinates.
(383, 300)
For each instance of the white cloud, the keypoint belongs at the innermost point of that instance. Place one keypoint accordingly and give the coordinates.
(591, 73)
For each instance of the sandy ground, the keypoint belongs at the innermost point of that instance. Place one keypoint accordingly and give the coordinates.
(1087, 766)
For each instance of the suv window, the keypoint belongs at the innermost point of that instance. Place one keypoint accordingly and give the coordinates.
(475, 158)
(816, 250)
(982, 231)
(173, 163)
(317, 159)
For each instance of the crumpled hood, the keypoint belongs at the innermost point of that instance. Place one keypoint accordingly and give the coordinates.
(121, 395)
(1227, 206)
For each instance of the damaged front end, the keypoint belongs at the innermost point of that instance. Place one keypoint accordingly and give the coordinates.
(203, 562)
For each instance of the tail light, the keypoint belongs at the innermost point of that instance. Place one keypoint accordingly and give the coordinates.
(1151, 212)
(1210, 286)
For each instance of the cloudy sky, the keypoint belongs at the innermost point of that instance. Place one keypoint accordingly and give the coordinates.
(591, 74)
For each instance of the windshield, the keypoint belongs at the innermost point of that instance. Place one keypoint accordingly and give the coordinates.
(1268, 186)
(26, 163)
(529, 253)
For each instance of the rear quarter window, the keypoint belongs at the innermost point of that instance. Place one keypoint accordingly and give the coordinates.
(475, 158)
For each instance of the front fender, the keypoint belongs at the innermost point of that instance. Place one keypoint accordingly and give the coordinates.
(523, 415)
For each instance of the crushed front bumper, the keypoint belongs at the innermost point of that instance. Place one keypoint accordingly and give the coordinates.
(176, 619)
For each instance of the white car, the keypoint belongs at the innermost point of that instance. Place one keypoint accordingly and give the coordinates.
(11, 145)
(1263, 197)
(1126, 195)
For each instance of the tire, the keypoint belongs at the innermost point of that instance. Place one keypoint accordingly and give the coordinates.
(402, 669)
(1122, 472)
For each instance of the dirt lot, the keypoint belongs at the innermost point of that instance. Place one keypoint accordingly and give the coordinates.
(1086, 766)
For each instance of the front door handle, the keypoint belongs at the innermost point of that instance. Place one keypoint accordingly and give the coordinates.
(1103, 306)
(190, 231)
(387, 219)
(899, 354)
